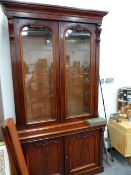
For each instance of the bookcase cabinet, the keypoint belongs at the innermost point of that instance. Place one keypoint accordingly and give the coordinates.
(55, 66)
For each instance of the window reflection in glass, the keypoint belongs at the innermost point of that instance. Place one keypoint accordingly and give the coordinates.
(38, 71)
(77, 72)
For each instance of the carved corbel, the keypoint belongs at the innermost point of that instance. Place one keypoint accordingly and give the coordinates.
(98, 32)
(11, 30)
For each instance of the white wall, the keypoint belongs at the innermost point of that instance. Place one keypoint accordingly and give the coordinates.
(5, 69)
(115, 55)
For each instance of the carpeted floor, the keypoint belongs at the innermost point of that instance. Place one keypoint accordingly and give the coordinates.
(118, 167)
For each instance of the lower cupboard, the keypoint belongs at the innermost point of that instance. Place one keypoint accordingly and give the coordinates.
(75, 154)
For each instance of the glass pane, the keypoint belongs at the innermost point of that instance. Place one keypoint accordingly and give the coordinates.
(77, 72)
(38, 73)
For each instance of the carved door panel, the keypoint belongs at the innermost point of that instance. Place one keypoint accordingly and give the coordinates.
(44, 157)
(82, 152)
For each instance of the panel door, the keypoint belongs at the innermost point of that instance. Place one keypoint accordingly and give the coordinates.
(36, 72)
(83, 152)
(77, 63)
(44, 157)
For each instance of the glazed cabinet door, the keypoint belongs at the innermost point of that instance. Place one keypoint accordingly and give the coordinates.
(83, 153)
(36, 72)
(44, 157)
(77, 59)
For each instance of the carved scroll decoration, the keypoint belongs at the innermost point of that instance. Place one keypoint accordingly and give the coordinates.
(41, 143)
(36, 25)
(79, 28)
(84, 135)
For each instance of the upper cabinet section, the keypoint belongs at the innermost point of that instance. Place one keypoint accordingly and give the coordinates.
(55, 62)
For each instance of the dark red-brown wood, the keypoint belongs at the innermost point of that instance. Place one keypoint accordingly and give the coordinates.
(83, 152)
(14, 149)
(47, 157)
(19, 76)
(91, 29)
(61, 146)
(21, 9)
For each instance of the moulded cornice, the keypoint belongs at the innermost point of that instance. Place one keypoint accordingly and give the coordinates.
(20, 9)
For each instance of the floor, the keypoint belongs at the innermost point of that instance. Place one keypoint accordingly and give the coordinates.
(118, 167)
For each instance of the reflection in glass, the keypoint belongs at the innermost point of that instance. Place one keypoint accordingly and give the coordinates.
(77, 72)
(38, 73)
